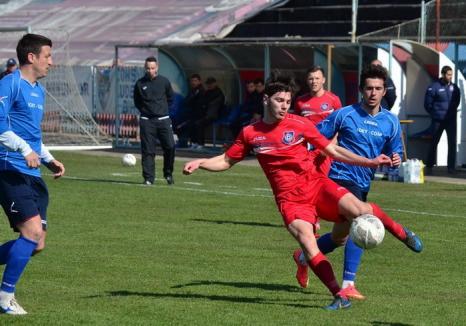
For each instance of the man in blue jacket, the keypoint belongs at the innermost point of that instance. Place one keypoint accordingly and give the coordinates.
(441, 102)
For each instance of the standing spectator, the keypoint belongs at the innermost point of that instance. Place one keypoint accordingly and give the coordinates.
(153, 94)
(192, 110)
(390, 95)
(11, 66)
(23, 194)
(318, 103)
(214, 102)
(441, 102)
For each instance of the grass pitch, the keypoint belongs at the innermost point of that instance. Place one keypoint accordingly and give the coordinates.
(211, 250)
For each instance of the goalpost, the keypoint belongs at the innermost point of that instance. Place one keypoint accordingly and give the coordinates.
(68, 123)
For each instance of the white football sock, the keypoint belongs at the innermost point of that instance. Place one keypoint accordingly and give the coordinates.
(346, 283)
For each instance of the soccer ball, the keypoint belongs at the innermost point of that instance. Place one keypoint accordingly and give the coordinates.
(367, 231)
(128, 160)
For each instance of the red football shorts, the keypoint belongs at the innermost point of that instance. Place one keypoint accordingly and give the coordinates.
(312, 199)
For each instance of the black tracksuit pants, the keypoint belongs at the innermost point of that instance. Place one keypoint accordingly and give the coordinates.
(438, 127)
(152, 130)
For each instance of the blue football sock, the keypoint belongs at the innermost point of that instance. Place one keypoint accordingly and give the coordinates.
(326, 244)
(353, 255)
(4, 250)
(17, 259)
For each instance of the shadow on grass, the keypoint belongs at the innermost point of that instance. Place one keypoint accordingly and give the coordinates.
(270, 225)
(212, 297)
(383, 323)
(243, 285)
(104, 180)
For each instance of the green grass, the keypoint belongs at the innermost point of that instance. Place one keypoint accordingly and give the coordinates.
(216, 253)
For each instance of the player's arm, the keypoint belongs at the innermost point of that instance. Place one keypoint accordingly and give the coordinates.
(429, 99)
(137, 97)
(394, 145)
(169, 93)
(343, 155)
(8, 138)
(57, 168)
(213, 164)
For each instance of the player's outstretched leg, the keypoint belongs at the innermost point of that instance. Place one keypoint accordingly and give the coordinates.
(409, 238)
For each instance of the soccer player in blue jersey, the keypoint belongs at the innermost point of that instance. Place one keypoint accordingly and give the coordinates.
(23, 193)
(367, 129)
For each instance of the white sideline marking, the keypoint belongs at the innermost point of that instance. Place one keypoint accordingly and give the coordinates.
(421, 213)
(229, 187)
(229, 193)
(262, 189)
(193, 183)
(117, 174)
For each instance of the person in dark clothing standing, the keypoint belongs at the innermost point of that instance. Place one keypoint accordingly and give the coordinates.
(214, 101)
(390, 95)
(153, 95)
(192, 111)
(441, 102)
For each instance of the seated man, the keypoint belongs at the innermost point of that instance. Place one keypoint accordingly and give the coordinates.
(213, 103)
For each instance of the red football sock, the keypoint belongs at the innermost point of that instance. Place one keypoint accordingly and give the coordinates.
(391, 226)
(324, 271)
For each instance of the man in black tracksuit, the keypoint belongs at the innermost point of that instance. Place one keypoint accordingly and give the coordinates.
(153, 95)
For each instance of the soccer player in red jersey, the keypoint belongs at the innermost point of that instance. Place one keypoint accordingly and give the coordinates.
(319, 103)
(301, 192)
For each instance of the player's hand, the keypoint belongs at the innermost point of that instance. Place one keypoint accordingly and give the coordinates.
(32, 160)
(57, 168)
(382, 159)
(396, 160)
(191, 166)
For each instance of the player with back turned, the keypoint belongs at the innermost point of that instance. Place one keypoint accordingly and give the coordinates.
(23, 193)
(301, 192)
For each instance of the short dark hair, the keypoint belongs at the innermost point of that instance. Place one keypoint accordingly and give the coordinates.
(259, 81)
(197, 76)
(372, 71)
(446, 69)
(279, 83)
(314, 69)
(30, 43)
(151, 59)
(210, 80)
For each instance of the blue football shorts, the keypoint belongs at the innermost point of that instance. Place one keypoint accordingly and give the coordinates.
(23, 196)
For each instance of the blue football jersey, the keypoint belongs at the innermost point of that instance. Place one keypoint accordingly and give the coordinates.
(365, 135)
(21, 111)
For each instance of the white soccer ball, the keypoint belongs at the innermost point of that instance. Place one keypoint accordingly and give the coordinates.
(128, 160)
(367, 231)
